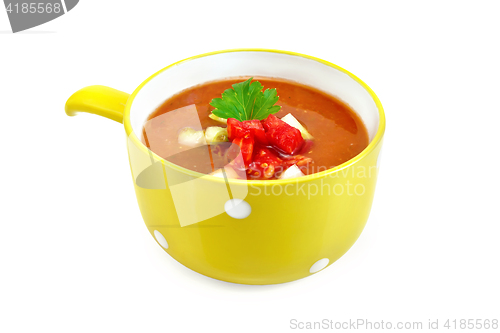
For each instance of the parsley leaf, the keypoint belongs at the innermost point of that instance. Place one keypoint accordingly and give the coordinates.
(246, 101)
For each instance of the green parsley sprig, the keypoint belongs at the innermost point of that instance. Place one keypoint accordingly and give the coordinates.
(246, 101)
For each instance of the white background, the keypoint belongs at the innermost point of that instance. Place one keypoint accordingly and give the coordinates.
(75, 255)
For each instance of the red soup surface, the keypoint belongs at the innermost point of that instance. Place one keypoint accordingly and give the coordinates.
(339, 134)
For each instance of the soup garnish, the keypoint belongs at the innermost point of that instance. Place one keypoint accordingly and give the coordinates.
(251, 126)
(246, 101)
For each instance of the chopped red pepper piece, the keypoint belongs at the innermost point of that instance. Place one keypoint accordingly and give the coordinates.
(265, 164)
(245, 129)
(236, 129)
(299, 160)
(246, 148)
(257, 130)
(283, 136)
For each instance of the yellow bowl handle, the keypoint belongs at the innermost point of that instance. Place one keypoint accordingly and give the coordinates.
(101, 100)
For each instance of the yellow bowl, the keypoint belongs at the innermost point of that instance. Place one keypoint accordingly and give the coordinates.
(279, 230)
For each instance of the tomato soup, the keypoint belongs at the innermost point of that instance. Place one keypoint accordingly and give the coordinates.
(338, 132)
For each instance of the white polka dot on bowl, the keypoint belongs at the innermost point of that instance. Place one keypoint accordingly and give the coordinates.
(237, 208)
(319, 265)
(160, 239)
